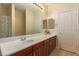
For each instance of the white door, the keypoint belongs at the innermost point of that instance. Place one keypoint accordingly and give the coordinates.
(67, 29)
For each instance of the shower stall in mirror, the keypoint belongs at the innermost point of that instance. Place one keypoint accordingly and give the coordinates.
(5, 26)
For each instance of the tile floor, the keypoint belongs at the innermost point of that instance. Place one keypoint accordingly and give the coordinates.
(61, 52)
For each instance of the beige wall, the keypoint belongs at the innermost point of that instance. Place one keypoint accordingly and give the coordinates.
(5, 10)
(54, 8)
(30, 22)
(45, 10)
(19, 22)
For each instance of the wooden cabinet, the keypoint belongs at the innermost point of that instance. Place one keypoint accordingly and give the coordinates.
(38, 49)
(24, 52)
(43, 48)
(50, 44)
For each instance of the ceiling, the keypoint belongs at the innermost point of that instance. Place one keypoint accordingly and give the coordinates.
(30, 6)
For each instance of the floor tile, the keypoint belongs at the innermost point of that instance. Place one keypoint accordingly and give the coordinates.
(61, 52)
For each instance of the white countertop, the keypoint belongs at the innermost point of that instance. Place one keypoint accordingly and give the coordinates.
(15, 44)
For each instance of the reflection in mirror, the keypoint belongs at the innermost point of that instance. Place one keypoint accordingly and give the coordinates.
(44, 24)
(17, 20)
(5, 20)
(51, 23)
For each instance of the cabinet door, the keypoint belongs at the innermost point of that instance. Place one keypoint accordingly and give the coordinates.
(46, 49)
(49, 45)
(52, 44)
(38, 49)
(24, 52)
(29, 54)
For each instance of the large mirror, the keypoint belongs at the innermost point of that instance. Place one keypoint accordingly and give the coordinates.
(19, 19)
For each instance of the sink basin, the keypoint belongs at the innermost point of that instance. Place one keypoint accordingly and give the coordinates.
(31, 40)
(27, 41)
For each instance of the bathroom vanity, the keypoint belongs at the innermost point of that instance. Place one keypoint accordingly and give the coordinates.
(43, 48)
(32, 45)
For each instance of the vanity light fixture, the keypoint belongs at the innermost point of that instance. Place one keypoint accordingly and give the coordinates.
(38, 5)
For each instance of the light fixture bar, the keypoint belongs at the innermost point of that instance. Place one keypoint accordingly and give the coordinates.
(37, 5)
